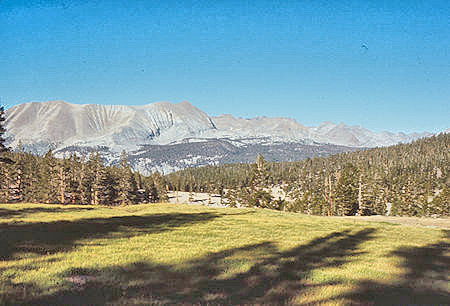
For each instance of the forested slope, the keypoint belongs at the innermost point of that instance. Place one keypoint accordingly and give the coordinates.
(405, 179)
(76, 180)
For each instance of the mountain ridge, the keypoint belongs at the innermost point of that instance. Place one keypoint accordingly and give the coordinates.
(58, 125)
(148, 122)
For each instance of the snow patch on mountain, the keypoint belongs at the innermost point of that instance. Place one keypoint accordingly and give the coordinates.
(170, 129)
(60, 124)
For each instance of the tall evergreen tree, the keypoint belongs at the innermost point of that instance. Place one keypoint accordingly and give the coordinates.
(30, 178)
(72, 174)
(2, 129)
(20, 174)
(95, 178)
(347, 191)
(257, 195)
(3, 149)
(6, 179)
(48, 180)
(110, 183)
(124, 180)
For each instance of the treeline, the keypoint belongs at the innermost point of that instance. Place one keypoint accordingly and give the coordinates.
(25, 177)
(405, 180)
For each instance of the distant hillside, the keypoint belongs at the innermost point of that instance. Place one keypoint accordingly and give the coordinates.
(405, 179)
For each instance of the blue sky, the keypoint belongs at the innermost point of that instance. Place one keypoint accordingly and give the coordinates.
(384, 65)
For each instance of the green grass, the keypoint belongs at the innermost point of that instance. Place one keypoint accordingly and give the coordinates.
(172, 254)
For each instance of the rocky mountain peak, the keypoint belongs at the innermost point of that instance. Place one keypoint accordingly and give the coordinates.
(60, 125)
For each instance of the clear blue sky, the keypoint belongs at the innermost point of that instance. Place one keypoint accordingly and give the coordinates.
(384, 65)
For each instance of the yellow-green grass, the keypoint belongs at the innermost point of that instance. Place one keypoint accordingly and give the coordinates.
(180, 254)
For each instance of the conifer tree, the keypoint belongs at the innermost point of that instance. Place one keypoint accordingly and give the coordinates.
(83, 183)
(440, 205)
(47, 182)
(62, 181)
(2, 129)
(110, 183)
(124, 186)
(20, 174)
(231, 197)
(3, 149)
(255, 195)
(347, 191)
(133, 187)
(95, 177)
(151, 190)
(30, 178)
(6, 179)
(161, 187)
(328, 195)
(259, 173)
(72, 175)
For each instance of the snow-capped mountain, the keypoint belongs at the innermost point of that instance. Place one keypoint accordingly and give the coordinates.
(357, 136)
(164, 127)
(59, 124)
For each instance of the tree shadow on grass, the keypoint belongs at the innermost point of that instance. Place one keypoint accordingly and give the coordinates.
(272, 277)
(425, 280)
(19, 213)
(61, 236)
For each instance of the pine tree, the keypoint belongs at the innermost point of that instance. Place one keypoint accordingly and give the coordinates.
(231, 197)
(62, 181)
(83, 184)
(162, 186)
(95, 177)
(2, 130)
(6, 179)
(47, 181)
(301, 204)
(347, 191)
(255, 195)
(110, 183)
(440, 205)
(72, 175)
(151, 190)
(4, 159)
(328, 195)
(133, 187)
(30, 178)
(261, 198)
(259, 173)
(20, 174)
(124, 186)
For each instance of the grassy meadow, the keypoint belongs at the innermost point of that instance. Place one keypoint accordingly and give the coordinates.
(180, 254)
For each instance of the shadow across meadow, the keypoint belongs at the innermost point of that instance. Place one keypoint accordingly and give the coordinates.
(60, 236)
(259, 273)
(274, 277)
(425, 280)
(20, 213)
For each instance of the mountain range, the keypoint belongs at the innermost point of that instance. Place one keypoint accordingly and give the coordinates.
(166, 137)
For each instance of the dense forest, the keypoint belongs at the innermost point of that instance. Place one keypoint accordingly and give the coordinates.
(405, 180)
(75, 180)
